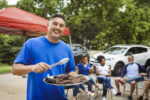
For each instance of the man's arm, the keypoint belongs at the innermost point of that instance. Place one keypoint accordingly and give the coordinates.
(21, 69)
(141, 68)
(124, 71)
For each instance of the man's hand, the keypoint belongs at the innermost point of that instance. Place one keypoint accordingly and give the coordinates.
(122, 80)
(147, 80)
(108, 75)
(40, 67)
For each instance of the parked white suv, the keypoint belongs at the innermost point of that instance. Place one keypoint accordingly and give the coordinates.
(116, 56)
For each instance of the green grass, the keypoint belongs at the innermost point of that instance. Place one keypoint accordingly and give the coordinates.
(4, 68)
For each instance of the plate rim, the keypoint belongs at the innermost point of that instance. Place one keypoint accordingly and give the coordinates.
(87, 77)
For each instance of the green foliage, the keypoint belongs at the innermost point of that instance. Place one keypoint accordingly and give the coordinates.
(129, 27)
(9, 47)
(5, 68)
(92, 23)
(44, 8)
(3, 4)
(97, 24)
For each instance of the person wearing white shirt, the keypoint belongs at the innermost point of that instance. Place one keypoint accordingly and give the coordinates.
(103, 76)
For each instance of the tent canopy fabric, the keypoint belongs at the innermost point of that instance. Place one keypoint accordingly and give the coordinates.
(19, 22)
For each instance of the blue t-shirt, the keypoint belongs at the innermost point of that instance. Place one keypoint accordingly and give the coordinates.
(84, 70)
(38, 50)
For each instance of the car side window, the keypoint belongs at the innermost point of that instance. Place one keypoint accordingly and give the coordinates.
(141, 50)
(136, 50)
(131, 51)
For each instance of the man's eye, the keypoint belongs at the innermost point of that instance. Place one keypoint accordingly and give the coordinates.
(61, 25)
(54, 23)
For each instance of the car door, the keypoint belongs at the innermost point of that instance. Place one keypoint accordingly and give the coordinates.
(141, 55)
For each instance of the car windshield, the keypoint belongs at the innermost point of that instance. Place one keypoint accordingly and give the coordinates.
(115, 50)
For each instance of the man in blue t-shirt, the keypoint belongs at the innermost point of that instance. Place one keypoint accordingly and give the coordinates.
(36, 56)
(131, 71)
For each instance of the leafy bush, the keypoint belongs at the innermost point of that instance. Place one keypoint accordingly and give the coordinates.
(5, 68)
(9, 47)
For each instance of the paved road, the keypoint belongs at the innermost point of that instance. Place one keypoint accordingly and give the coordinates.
(14, 88)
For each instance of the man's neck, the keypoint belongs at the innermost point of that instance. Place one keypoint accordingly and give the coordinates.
(52, 40)
(131, 62)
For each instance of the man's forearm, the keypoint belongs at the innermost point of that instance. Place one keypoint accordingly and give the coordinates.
(20, 69)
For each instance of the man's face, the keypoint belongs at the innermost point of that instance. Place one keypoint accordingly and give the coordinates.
(56, 28)
(130, 59)
(102, 62)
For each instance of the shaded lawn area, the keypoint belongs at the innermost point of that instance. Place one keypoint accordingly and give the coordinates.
(5, 68)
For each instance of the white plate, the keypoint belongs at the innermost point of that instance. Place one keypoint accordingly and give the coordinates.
(86, 77)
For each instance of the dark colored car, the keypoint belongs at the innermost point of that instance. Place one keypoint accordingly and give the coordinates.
(79, 51)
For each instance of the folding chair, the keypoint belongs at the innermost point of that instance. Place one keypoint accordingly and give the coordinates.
(138, 79)
(67, 88)
(125, 90)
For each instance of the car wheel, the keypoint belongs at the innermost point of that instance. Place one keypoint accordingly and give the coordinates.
(147, 63)
(118, 68)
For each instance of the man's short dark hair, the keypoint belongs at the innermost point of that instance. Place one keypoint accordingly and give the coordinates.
(99, 58)
(58, 15)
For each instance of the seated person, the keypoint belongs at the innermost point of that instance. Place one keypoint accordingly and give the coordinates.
(103, 76)
(85, 68)
(131, 71)
(146, 86)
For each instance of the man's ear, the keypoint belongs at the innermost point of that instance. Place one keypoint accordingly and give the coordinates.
(47, 26)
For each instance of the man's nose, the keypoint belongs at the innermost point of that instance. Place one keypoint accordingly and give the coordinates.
(57, 26)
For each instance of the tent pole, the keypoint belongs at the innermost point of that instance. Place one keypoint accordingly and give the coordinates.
(24, 36)
(24, 40)
(70, 41)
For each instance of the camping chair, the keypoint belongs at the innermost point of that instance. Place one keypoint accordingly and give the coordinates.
(138, 79)
(67, 88)
(125, 90)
